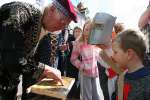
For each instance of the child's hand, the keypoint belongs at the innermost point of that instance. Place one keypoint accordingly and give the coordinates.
(105, 57)
(110, 62)
(102, 46)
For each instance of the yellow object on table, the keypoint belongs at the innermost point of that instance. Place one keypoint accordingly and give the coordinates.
(50, 88)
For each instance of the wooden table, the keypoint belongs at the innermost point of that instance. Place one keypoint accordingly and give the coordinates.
(49, 88)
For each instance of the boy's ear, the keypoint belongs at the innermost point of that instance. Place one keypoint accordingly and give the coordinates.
(130, 53)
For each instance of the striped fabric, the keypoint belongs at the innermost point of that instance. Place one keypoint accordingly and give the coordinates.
(90, 56)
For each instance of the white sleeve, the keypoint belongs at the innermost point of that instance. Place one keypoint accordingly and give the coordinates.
(103, 63)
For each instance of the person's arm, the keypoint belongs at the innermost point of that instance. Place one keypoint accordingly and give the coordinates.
(52, 73)
(102, 62)
(110, 62)
(75, 56)
(144, 18)
(40, 70)
(45, 71)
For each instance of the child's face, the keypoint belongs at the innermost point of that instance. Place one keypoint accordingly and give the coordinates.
(77, 33)
(119, 56)
(87, 30)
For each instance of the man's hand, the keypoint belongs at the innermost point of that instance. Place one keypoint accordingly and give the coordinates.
(53, 73)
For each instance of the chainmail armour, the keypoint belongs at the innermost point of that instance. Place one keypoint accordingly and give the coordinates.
(146, 31)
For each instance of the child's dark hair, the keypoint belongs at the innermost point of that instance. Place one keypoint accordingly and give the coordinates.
(130, 39)
(77, 28)
(118, 27)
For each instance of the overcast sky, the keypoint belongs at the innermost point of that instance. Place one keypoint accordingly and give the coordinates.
(126, 11)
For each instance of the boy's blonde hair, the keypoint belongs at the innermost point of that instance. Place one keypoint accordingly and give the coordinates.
(131, 39)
